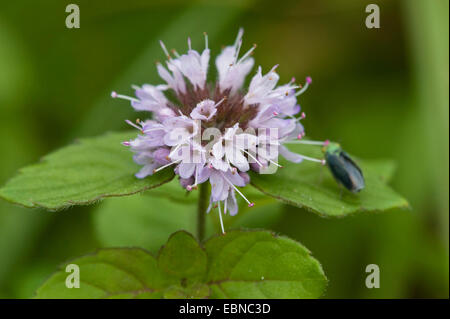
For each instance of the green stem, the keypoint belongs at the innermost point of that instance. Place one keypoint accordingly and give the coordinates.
(201, 210)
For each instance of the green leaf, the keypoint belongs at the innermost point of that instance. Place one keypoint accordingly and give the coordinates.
(196, 291)
(312, 186)
(384, 168)
(239, 264)
(81, 174)
(109, 273)
(143, 220)
(258, 264)
(182, 257)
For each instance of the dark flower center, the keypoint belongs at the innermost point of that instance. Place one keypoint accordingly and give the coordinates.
(231, 111)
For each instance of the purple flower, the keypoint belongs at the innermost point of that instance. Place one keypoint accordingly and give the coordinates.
(205, 110)
(216, 133)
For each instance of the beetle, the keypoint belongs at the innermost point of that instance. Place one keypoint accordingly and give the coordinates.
(345, 171)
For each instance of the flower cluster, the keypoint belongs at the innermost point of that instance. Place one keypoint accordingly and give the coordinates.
(216, 132)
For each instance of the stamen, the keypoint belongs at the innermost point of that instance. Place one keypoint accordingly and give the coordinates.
(297, 119)
(153, 129)
(175, 53)
(239, 36)
(274, 68)
(247, 54)
(206, 40)
(254, 158)
(196, 177)
(174, 150)
(220, 102)
(274, 114)
(114, 95)
(189, 44)
(228, 161)
(165, 166)
(275, 163)
(312, 159)
(194, 186)
(280, 93)
(321, 143)
(305, 87)
(191, 187)
(225, 205)
(126, 143)
(250, 204)
(236, 54)
(165, 49)
(221, 221)
(268, 159)
(134, 125)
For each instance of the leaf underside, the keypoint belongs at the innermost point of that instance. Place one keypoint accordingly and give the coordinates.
(240, 264)
(81, 174)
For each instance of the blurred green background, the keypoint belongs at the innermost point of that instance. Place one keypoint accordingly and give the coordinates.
(382, 93)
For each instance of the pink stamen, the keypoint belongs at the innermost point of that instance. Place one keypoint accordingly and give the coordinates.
(305, 87)
(237, 190)
(114, 94)
(326, 143)
(251, 204)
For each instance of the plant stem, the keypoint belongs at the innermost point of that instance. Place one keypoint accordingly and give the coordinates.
(201, 210)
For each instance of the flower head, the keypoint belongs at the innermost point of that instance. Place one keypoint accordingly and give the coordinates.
(218, 132)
